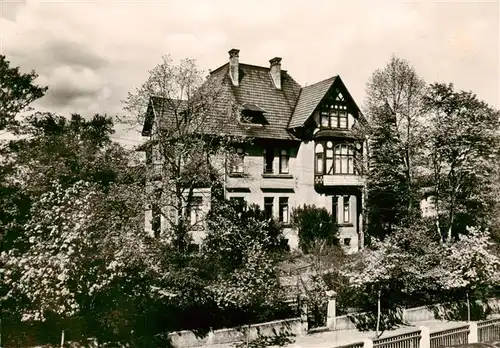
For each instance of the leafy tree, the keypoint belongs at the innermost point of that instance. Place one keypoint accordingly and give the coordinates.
(232, 229)
(56, 149)
(392, 271)
(413, 264)
(462, 157)
(245, 246)
(315, 227)
(468, 266)
(73, 208)
(184, 135)
(78, 244)
(394, 110)
(16, 93)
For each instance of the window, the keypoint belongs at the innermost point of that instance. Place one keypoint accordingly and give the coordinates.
(347, 241)
(334, 159)
(334, 113)
(237, 162)
(156, 219)
(156, 213)
(325, 119)
(319, 158)
(334, 116)
(268, 161)
(329, 158)
(284, 159)
(268, 207)
(196, 211)
(344, 159)
(342, 116)
(156, 154)
(347, 215)
(283, 202)
(149, 155)
(335, 209)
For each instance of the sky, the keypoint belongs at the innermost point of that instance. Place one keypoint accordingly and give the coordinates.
(91, 53)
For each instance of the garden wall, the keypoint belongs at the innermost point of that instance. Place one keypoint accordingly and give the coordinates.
(188, 338)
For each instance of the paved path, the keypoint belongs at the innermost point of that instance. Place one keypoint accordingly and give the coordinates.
(481, 345)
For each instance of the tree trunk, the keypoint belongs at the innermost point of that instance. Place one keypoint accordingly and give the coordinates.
(452, 212)
(468, 306)
(378, 315)
(62, 338)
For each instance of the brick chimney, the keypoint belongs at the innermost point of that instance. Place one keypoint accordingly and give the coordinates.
(275, 71)
(234, 66)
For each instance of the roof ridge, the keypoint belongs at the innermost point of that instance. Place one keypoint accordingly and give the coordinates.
(322, 81)
(309, 102)
(219, 68)
(295, 106)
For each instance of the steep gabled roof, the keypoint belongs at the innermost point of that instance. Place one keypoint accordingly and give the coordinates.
(257, 87)
(163, 107)
(256, 90)
(309, 98)
(283, 109)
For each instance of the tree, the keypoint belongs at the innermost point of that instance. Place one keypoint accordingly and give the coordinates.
(394, 270)
(316, 227)
(16, 93)
(80, 243)
(386, 185)
(56, 149)
(186, 136)
(394, 110)
(468, 265)
(462, 156)
(73, 226)
(243, 247)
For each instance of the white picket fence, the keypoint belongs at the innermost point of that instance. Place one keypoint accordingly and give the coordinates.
(450, 337)
(407, 340)
(473, 332)
(488, 330)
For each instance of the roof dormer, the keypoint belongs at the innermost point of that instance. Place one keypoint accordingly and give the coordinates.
(252, 115)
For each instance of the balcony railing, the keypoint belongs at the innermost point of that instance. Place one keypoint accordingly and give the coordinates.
(338, 180)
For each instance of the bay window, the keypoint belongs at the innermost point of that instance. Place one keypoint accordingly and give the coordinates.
(319, 158)
(334, 159)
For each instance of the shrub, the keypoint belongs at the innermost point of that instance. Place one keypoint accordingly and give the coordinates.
(315, 227)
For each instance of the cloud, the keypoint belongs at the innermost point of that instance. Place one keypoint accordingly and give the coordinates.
(72, 85)
(91, 53)
(9, 9)
(49, 55)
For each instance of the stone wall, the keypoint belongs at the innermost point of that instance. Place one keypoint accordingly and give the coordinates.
(188, 338)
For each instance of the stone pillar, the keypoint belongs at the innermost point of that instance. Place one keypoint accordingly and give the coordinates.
(331, 316)
(210, 337)
(473, 332)
(425, 340)
(367, 343)
(304, 314)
